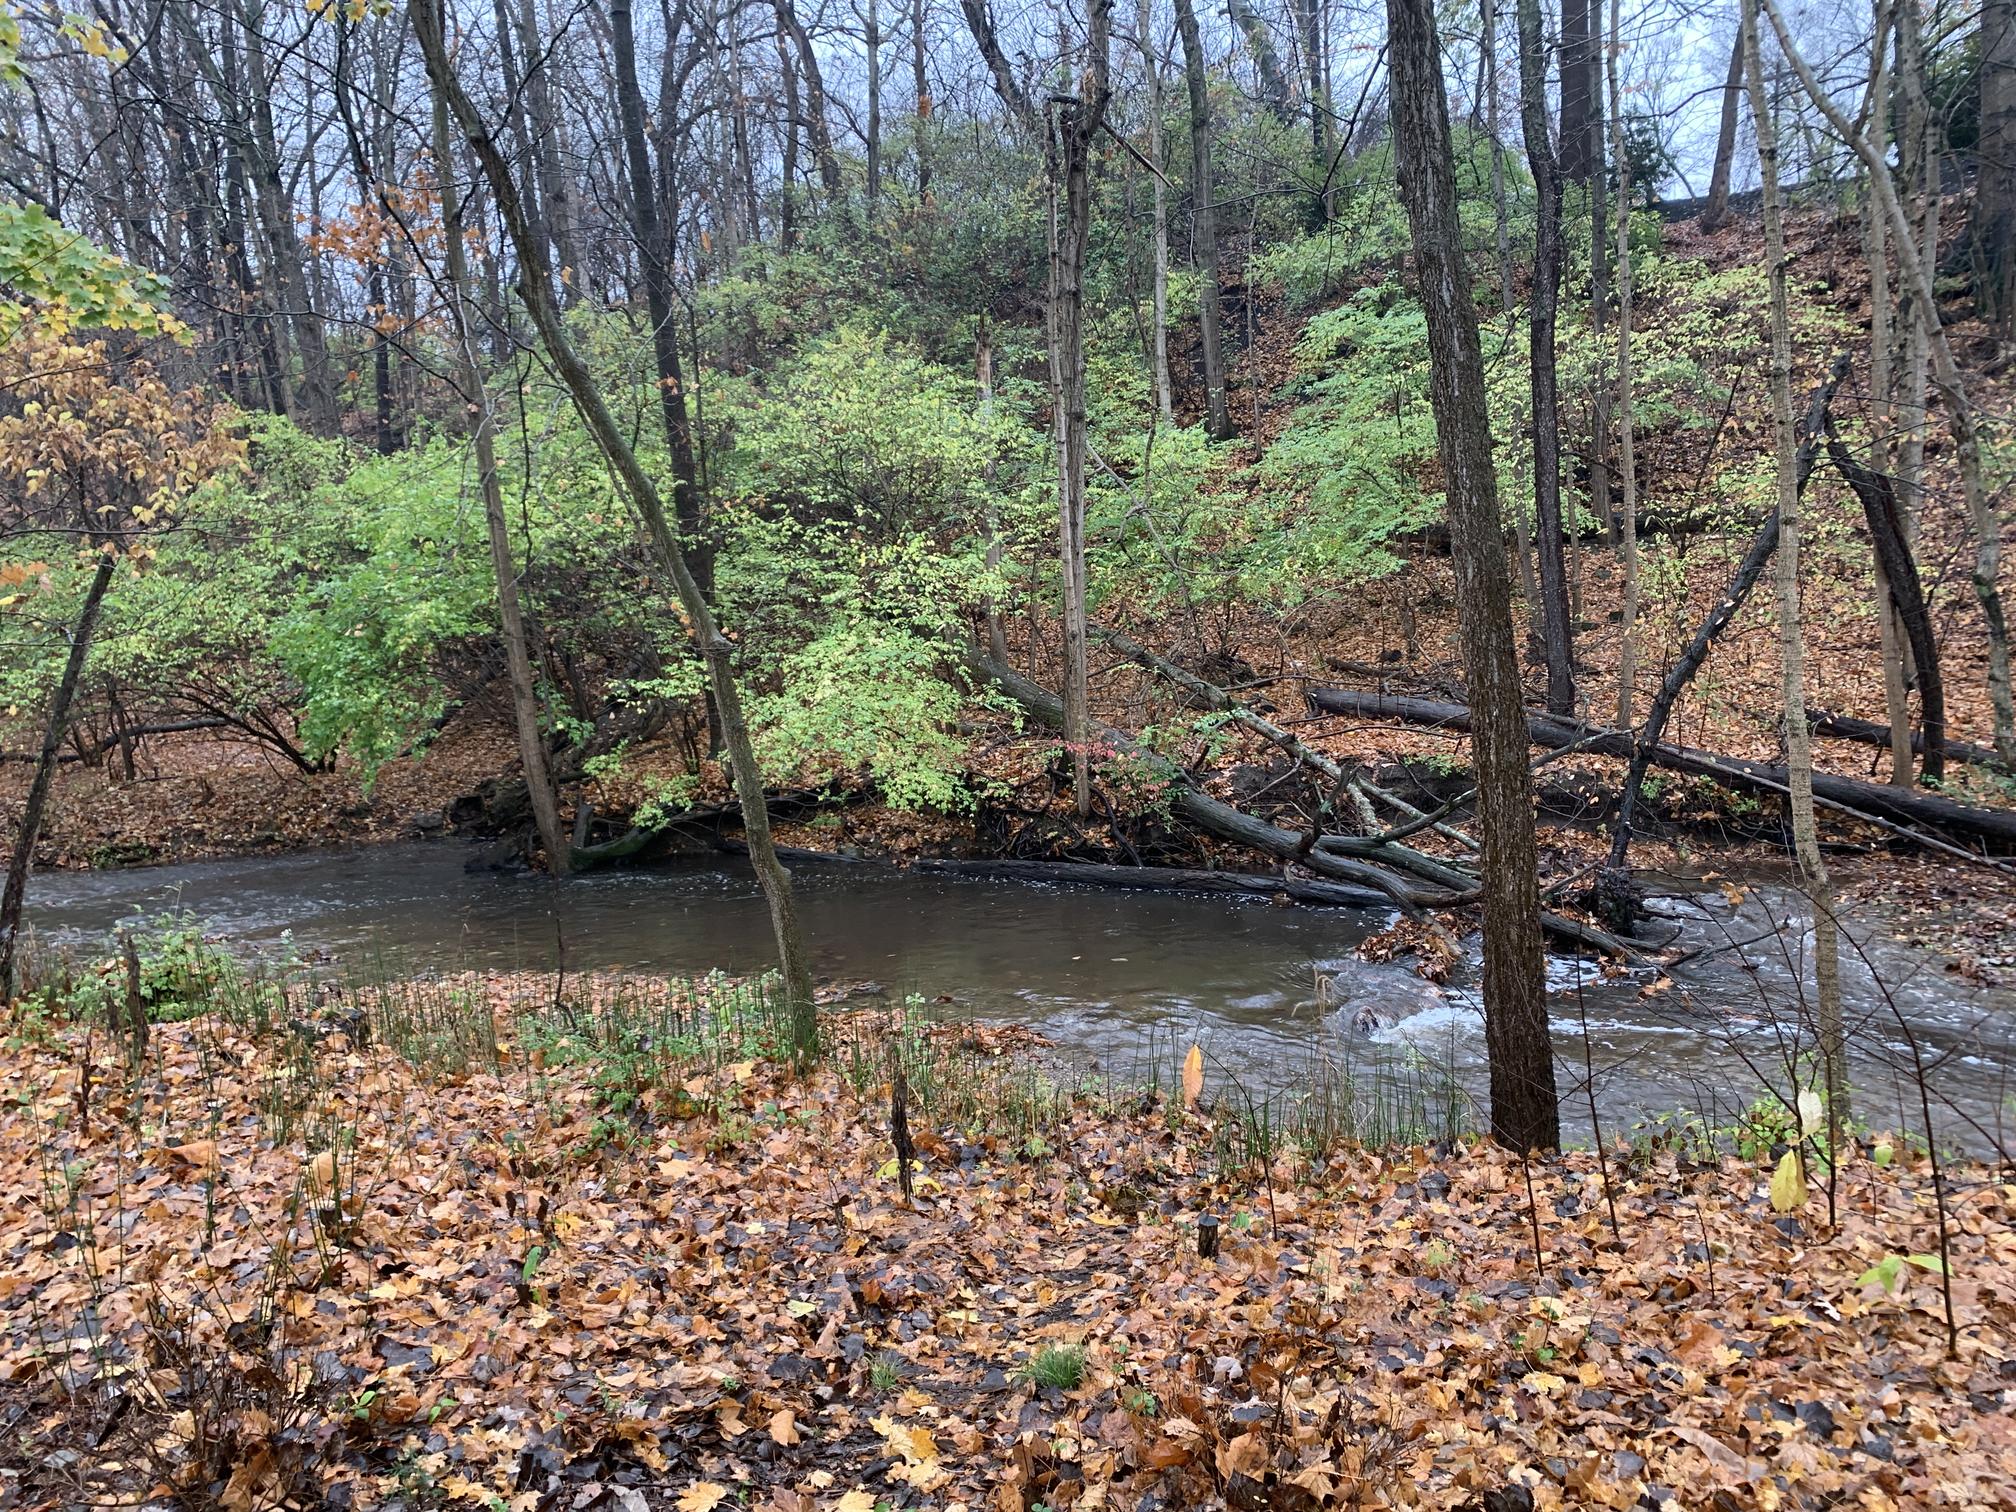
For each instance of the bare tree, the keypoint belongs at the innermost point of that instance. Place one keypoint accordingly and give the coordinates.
(1204, 221)
(475, 394)
(1075, 123)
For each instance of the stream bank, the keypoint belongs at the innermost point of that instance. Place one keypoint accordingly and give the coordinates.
(1123, 981)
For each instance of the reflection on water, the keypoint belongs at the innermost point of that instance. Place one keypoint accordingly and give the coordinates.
(1122, 979)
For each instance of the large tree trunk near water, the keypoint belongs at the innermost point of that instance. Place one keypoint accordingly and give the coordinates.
(1525, 1108)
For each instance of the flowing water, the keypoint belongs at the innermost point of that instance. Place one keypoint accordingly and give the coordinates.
(1126, 981)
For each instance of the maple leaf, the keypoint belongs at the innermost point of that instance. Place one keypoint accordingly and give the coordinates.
(702, 1496)
(856, 1500)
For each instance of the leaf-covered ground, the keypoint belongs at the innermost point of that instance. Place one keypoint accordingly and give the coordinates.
(505, 1274)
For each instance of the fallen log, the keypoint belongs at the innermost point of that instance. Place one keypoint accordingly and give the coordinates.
(1340, 780)
(1870, 732)
(1333, 857)
(1164, 879)
(704, 825)
(1865, 800)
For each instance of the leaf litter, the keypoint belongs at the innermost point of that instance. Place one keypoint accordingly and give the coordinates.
(503, 1280)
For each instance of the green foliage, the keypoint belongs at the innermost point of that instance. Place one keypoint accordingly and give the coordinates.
(1351, 470)
(68, 281)
(1368, 235)
(1060, 1367)
(854, 544)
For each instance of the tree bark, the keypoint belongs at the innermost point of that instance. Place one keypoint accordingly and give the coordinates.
(1151, 61)
(1577, 90)
(1716, 215)
(1075, 124)
(1992, 228)
(1546, 417)
(536, 288)
(510, 613)
(1204, 220)
(1627, 437)
(1525, 1111)
(654, 256)
(55, 727)
(1819, 886)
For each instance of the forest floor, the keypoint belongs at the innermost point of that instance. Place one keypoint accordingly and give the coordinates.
(286, 1266)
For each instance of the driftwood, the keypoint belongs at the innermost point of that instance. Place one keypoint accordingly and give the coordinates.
(1164, 879)
(1392, 870)
(1897, 808)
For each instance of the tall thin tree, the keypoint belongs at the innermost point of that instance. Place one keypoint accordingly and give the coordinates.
(1525, 1109)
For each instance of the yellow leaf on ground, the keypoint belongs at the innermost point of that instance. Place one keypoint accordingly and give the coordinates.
(1193, 1077)
(702, 1496)
(784, 1427)
(856, 1500)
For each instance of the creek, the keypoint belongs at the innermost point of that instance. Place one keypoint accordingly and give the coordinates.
(1124, 982)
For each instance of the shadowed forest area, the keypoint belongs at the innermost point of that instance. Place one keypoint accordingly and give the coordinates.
(863, 754)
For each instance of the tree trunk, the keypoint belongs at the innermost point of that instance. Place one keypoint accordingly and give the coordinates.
(1882, 400)
(1546, 417)
(1578, 58)
(1791, 646)
(554, 194)
(1627, 439)
(920, 91)
(1717, 214)
(1992, 229)
(1151, 61)
(1525, 1112)
(1076, 124)
(871, 37)
(654, 256)
(1275, 91)
(510, 614)
(815, 98)
(55, 727)
(1217, 422)
(536, 287)
(275, 210)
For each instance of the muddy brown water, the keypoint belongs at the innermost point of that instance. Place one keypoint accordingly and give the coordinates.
(1126, 981)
